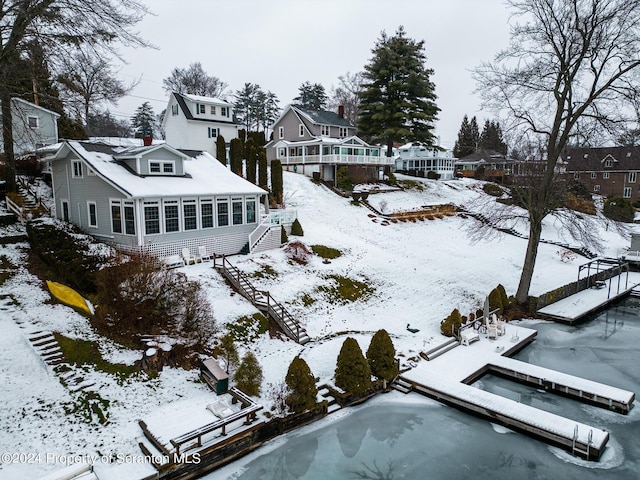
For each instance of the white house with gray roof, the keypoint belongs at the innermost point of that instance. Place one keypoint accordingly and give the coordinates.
(317, 142)
(158, 199)
(194, 122)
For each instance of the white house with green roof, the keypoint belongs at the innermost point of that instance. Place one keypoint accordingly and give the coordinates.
(317, 142)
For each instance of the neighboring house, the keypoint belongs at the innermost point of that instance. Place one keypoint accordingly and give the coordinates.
(158, 199)
(193, 122)
(33, 127)
(317, 142)
(418, 160)
(496, 165)
(609, 171)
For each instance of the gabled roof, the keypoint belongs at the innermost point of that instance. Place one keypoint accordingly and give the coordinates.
(323, 117)
(485, 156)
(204, 175)
(18, 100)
(182, 99)
(592, 159)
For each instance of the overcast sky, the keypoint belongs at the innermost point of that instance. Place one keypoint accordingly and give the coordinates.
(279, 44)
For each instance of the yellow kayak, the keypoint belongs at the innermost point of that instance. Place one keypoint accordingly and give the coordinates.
(70, 297)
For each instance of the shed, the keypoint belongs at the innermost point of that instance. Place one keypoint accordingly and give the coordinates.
(215, 376)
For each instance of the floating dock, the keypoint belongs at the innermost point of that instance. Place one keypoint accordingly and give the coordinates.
(447, 379)
(573, 308)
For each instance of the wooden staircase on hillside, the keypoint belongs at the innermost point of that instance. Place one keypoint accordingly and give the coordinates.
(262, 300)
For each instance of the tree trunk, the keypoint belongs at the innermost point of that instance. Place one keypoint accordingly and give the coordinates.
(7, 138)
(535, 231)
(389, 147)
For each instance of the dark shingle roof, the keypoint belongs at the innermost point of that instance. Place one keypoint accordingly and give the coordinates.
(189, 116)
(590, 159)
(325, 117)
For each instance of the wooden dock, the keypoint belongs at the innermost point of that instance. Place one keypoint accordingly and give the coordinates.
(447, 379)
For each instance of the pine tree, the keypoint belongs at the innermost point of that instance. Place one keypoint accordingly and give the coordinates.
(235, 152)
(249, 156)
(353, 373)
(144, 120)
(468, 138)
(221, 150)
(227, 350)
(252, 165)
(398, 97)
(302, 386)
(276, 180)
(262, 169)
(249, 376)
(311, 96)
(381, 355)
(491, 138)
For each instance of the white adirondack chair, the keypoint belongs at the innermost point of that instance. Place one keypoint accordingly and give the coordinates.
(188, 258)
(202, 253)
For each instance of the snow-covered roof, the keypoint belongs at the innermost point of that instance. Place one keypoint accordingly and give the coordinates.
(17, 100)
(208, 100)
(203, 174)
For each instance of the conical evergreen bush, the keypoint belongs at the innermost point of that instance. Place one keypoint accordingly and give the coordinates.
(353, 373)
(302, 386)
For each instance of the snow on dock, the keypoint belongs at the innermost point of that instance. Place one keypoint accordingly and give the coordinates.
(446, 379)
(576, 306)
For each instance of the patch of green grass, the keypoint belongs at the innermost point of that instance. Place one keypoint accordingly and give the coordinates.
(267, 271)
(83, 352)
(89, 406)
(246, 329)
(345, 290)
(307, 300)
(411, 185)
(326, 252)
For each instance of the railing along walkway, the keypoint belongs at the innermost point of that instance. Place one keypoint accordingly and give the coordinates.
(262, 300)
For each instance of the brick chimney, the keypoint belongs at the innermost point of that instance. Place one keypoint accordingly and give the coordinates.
(341, 111)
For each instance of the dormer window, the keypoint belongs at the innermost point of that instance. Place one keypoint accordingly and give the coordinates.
(213, 109)
(200, 108)
(158, 168)
(608, 163)
(224, 111)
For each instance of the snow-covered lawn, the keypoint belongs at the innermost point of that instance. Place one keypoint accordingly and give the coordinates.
(418, 271)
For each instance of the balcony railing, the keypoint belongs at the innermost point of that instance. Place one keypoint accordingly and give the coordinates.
(341, 159)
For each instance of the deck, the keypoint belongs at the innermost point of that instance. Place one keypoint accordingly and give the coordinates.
(573, 308)
(447, 379)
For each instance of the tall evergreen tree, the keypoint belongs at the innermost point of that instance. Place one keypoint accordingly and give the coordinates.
(311, 96)
(353, 373)
(144, 120)
(468, 138)
(381, 355)
(302, 386)
(276, 180)
(262, 169)
(235, 153)
(491, 137)
(221, 150)
(398, 96)
(249, 376)
(251, 157)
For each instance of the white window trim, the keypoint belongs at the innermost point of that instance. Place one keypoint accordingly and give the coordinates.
(228, 202)
(280, 132)
(130, 204)
(73, 169)
(189, 201)
(95, 206)
(605, 175)
(163, 215)
(239, 200)
(37, 125)
(301, 130)
(206, 201)
(624, 192)
(594, 175)
(161, 164)
(632, 177)
(116, 202)
(596, 188)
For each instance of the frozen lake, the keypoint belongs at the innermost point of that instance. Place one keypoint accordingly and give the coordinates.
(411, 437)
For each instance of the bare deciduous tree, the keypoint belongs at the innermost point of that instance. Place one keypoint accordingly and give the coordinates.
(88, 81)
(195, 81)
(55, 24)
(347, 94)
(570, 63)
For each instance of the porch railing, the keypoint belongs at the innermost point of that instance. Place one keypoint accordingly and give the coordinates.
(341, 159)
(270, 221)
